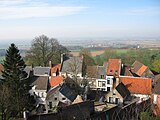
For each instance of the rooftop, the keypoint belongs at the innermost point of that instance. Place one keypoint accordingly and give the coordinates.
(40, 82)
(114, 66)
(55, 81)
(139, 68)
(137, 85)
(41, 71)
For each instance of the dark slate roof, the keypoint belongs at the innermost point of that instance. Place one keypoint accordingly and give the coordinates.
(41, 71)
(101, 71)
(68, 93)
(123, 91)
(92, 71)
(71, 64)
(40, 82)
(137, 65)
(126, 70)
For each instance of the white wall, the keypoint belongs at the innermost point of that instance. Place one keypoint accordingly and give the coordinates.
(141, 97)
(99, 86)
(39, 94)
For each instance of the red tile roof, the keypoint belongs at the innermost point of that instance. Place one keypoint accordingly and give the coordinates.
(137, 85)
(113, 66)
(141, 70)
(55, 81)
(54, 68)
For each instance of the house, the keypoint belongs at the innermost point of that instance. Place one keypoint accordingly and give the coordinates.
(107, 74)
(62, 94)
(55, 78)
(156, 95)
(54, 98)
(91, 75)
(72, 67)
(114, 67)
(138, 86)
(101, 82)
(40, 86)
(118, 95)
(141, 70)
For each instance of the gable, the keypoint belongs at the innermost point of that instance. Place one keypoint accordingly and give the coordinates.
(114, 67)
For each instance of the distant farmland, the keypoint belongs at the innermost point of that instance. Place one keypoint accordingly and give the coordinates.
(93, 53)
(100, 52)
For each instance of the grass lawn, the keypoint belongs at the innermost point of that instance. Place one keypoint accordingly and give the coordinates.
(121, 51)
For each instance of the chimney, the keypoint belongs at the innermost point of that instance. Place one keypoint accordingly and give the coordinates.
(32, 67)
(25, 115)
(122, 66)
(50, 64)
(62, 55)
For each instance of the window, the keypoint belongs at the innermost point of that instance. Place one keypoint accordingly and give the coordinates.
(110, 71)
(103, 89)
(63, 98)
(99, 83)
(102, 76)
(117, 100)
(38, 94)
(110, 99)
(42, 94)
(103, 84)
(45, 72)
(55, 99)
(108, 81)
(50, 105)
(108, 88)
(116, 72)
(98, 88)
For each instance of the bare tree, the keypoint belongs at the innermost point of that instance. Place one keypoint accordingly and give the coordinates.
(44, 49)
(75, 66)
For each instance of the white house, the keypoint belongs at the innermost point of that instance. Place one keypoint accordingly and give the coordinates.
(138, 86)
(107, 74)
(39, 89)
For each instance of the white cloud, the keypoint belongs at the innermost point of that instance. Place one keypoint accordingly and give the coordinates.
(16, 9)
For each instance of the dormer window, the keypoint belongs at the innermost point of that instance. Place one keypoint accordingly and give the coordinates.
(116, 72)
(110, 71)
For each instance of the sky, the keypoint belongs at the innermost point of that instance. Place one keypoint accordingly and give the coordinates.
(26, 19)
